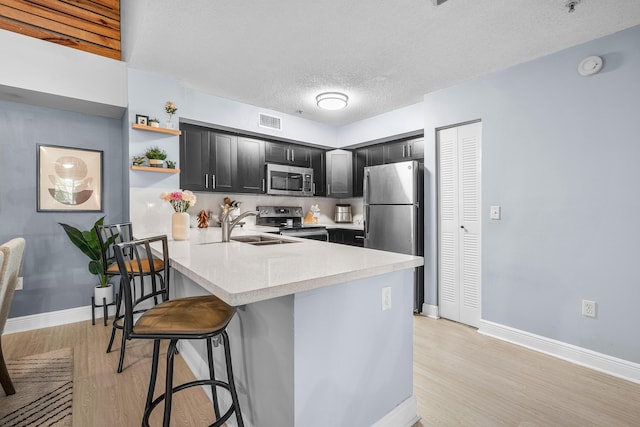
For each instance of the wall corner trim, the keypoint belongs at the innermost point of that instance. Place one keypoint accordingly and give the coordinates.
(430, 311)
(620, 368)
(404, 415)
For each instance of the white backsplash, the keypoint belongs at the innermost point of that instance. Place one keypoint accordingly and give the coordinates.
(151, 215)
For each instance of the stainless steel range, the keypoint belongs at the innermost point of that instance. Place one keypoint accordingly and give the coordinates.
(289, 220)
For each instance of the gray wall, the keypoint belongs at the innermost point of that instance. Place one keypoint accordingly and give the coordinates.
(560, 154)
(55, 271)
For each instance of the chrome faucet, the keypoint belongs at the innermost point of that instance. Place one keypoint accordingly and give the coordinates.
(227, 224)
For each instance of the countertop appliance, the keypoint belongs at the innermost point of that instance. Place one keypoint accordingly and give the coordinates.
(393, 213)
(289, 221)
(342, 213)
(289, 180)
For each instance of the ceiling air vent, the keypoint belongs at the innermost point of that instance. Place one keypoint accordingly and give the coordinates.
(269, 122)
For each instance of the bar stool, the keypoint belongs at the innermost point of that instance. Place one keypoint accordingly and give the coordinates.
(108, 236)
(200, 317)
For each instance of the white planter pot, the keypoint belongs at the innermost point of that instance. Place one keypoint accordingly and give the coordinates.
(106, 293)
(155, 163)
(154, 124)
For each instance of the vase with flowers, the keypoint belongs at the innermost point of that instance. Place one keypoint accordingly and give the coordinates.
(171, 109)
(181, 201)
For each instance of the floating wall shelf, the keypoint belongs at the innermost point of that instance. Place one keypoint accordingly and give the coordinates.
(154, 129)
(150, 169)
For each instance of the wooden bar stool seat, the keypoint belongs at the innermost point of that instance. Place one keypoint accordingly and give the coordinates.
(146, 267)
(198, 317)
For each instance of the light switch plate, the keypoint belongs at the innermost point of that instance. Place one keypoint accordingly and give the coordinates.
(495, 212)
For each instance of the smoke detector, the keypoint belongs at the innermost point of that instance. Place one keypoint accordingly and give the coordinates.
(590, 65)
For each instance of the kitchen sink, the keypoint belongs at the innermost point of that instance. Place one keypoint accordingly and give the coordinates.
(260, 240)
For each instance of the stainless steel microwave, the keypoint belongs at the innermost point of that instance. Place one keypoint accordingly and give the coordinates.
(289, 180)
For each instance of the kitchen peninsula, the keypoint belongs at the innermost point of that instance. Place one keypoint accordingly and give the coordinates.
(311, 343)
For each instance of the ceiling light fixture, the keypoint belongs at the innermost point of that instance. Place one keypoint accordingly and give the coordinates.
(571, 5)
(332, 100)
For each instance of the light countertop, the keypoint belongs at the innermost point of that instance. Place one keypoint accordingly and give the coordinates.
(240, 273)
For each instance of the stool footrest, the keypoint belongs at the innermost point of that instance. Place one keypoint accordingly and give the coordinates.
(217, 423)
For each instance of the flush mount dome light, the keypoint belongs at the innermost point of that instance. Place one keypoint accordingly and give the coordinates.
(332, 100)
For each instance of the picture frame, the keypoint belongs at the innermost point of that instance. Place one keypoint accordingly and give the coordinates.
(69, 179)
(142, 120)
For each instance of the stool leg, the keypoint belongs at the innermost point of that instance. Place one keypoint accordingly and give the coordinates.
(154, 374)
(115, 317)
(124, 343)
(232, 384)
(212, 375)
(168, 396)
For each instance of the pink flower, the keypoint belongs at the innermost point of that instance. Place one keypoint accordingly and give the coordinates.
(180, 200)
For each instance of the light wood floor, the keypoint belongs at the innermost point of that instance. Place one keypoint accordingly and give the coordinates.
(102, 397)
(461, 378)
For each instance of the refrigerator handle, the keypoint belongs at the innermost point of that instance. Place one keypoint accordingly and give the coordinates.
(366, 221)
(365, 187)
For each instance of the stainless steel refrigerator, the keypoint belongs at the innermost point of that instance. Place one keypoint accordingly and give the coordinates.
(393, 213)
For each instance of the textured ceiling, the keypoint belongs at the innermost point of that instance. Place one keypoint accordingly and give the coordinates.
(279, 54)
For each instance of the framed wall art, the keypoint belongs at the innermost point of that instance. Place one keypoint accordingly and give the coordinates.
(142, 120)
(69, 179)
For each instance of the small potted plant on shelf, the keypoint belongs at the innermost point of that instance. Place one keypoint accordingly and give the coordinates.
(171, 164)
(156, 156)
(87, 241)
(154, 123)
(138, 160)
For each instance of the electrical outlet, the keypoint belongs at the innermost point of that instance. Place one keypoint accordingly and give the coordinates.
(386, 298)
(588, 308)
(495, 212)
(19, 284)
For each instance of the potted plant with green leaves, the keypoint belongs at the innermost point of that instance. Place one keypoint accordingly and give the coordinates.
(87, 241)
(156, 156)
(171, 164)
(154, 123)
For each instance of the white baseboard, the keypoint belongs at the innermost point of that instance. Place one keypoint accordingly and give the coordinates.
(581, 356)
(53, 318)
(403, 415)
(430, 311)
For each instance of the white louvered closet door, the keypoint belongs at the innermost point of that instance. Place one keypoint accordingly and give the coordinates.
(459, 223)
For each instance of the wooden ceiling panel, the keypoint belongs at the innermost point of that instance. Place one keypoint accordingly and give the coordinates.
(89, 25)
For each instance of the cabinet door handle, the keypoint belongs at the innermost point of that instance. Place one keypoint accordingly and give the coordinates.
(313, 188)
(263, 185)
(293, 156)
(213, 181)
(404, 149)
(409, 150)
(328, 189)
(287, 153)
(359, 237)
(206, 180)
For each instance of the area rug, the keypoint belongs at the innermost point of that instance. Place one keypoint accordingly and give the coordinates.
(44, 391)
